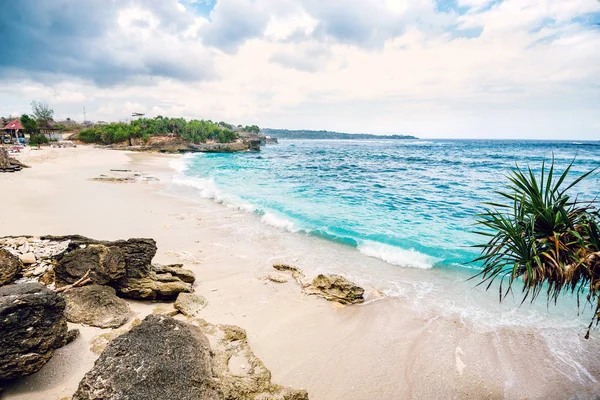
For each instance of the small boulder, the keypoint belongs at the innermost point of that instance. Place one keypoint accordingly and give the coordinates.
(106, 265)
(28, 258)
(161, 358)
(189, 304)
(32, 326)
(336, 288)
(158, 285)
(10, 267)
(97, 306)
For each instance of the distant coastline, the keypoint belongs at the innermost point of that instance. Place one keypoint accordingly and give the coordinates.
(308, 134)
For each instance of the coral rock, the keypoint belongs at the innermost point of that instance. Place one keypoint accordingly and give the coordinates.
(96, 305)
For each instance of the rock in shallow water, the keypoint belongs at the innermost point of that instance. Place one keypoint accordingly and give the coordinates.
(336, 288)
(10, 267)
(32, 326)
(96, 305)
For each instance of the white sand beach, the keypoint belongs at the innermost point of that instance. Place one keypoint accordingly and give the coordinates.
(413, 339)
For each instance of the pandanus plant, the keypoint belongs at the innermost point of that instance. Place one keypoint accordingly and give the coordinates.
(544, 237)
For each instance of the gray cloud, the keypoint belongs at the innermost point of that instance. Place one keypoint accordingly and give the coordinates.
(233, 23)
(354, 22)
(308, 59)
(61, 37)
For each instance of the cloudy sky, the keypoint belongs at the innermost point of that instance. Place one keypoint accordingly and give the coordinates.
(433, 68)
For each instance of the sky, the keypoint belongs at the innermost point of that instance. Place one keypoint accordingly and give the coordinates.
(430, 68)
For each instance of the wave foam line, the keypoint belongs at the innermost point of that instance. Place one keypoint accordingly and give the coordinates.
(396, 255)
(209, 190)
(279, 222)
(181, 164)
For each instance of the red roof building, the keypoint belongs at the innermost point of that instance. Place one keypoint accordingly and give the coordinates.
(14, 125)
(12, 132)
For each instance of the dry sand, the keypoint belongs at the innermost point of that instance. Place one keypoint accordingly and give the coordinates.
(403, 346)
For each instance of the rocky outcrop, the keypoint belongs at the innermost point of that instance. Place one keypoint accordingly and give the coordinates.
(181, 146)
(189, 304)
(8, 164)
(137, 253)
(32, 326)
(97, 306)
(106, 264)
(330, 287)
(125, 265)
(163, 358)
(336, 288)
(10, 267)
(241, 375)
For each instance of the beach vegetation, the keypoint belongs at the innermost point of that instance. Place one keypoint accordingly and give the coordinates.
(38, 139)
(194, 131)
(543, 237)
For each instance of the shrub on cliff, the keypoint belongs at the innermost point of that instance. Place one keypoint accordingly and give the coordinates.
(544, 237)
(90, 135)
(195, 131)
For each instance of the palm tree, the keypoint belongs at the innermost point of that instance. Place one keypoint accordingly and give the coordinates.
(544, 237)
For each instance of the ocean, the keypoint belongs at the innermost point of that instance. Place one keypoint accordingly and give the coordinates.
(411, 203)
(398, 218)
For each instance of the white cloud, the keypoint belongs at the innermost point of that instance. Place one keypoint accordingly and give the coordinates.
(402, 69)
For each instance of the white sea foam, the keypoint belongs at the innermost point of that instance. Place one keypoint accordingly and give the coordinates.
(396, 255)
(279, 222)
(180, 165)
(209, 190)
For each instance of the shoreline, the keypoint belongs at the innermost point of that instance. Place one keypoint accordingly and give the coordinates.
(382, 349)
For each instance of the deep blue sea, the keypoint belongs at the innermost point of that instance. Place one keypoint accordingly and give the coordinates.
(412, 203)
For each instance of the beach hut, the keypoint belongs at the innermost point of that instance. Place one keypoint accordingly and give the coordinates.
(13, 132)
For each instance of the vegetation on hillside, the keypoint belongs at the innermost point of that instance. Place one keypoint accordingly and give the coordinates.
(544, 237)
(195, 131)
(307, 134)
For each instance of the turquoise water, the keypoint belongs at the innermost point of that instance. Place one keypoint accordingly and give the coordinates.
(410, 203)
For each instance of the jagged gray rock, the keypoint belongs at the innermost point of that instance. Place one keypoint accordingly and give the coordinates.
(97, 306)
(125, 265)
(137, 252)
(32, 326)
(161, 358)
(105, 263)
(10, 267)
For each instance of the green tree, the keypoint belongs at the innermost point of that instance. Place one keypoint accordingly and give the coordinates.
(543, 237)
(29, 124)
(42, 113)
(252, 129)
